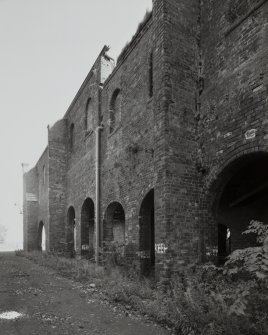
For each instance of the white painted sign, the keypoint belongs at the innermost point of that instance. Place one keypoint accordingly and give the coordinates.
(250, 134)
(144, 254)
(160, 248)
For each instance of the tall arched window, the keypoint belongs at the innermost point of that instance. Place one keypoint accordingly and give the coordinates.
(115, 110)
(89, 116)
(72, 137)
(44, 174)
(151, 78)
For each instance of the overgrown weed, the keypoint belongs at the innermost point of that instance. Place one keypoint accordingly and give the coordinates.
(200, 300)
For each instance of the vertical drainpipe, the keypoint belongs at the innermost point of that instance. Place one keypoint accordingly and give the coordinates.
(97, 170)
(97, 180)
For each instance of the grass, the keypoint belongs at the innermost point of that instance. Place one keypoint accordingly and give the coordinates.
(199, 300)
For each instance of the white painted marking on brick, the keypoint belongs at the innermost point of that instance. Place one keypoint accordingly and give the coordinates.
(250, 134)
(256, 89)
(11, 315)
(227, 134)
(160, 248)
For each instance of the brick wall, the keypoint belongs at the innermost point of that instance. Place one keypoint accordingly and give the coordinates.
(30, 210)
(176, 25)
(42, 168)
(233, 96)
(57, 185)
(127, 169)
(181, 112)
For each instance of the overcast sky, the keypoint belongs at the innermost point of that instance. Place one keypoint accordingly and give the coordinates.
(47, 48)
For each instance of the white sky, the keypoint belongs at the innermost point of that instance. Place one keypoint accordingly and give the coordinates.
(47, 48)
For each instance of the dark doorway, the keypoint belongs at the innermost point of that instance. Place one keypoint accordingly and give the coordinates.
(244, 198)
(71, 232)
(147, 239)
(87, 229)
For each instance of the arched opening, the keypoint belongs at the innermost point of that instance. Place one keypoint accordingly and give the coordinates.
(41, 237)
(71, 137)
(115, 110)
(147, 238)
(87, 228)
(89, 116)
(114, 227)
(151, 78)
(71, 232)
(243, 198)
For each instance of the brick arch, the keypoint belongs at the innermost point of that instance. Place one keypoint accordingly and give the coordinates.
(114, 226)
(229, 159)
(87, 228)
(234, 196)
(146, 233)
(143, 194)
(220, 175)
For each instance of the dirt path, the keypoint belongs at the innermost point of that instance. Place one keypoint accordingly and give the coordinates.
(50, 304)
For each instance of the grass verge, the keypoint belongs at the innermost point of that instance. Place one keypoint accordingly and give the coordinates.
(199, 300)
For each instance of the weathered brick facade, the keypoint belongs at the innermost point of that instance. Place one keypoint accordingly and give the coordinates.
(180, 125)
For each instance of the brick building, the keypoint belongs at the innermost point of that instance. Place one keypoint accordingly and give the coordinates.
(165, 155)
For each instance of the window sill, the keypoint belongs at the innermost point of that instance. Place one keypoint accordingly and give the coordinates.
(88, 133)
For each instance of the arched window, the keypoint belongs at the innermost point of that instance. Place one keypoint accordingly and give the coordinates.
(72, 137)
(89, 116)
(44, 175)
(151, 78)
(115, 110)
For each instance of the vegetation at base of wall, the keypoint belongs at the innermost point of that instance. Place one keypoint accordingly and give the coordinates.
(205, 300)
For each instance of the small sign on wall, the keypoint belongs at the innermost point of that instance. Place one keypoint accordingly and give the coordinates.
(160, 248)
(250, 134)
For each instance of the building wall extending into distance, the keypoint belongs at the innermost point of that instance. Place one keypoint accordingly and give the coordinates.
(163, 157)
